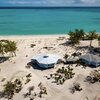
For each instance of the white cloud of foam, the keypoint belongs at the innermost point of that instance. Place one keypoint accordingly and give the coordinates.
(40, 1)
(51, 2)
(90, 1)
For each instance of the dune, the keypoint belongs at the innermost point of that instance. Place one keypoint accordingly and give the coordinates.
(16, 67)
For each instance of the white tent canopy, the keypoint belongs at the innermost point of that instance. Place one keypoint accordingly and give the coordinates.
(46, 60)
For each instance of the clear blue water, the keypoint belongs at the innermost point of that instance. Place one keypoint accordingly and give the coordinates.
(48, 20)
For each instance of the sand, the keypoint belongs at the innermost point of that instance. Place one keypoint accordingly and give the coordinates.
(15, 67)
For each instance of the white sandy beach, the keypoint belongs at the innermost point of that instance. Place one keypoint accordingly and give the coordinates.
(15, 67)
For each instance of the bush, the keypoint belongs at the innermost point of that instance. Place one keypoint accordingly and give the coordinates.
(7, 46)
(76, 87)
(94, 77)
(33, 45)
(10, 88)
(62, 74)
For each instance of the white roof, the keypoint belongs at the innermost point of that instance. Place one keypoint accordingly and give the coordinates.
(46, 58)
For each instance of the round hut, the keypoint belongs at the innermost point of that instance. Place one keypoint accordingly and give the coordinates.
(46, 60)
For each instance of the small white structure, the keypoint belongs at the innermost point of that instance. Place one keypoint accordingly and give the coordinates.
(91, 59)
(46, 60)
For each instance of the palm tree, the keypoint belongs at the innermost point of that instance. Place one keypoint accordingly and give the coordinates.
(99, 40)
(76, 36)
(1, 48)
(73, 38)
(11, 47)
(7, 46)
(92, 35)
(80, 33)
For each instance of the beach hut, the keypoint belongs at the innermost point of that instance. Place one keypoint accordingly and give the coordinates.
(91, 59)
(71, 61)
(46, 60)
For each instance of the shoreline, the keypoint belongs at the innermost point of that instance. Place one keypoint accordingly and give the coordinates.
(35, 36)
(32, 36)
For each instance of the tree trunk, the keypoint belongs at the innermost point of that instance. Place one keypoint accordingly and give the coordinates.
(90, 43)
(14, 53)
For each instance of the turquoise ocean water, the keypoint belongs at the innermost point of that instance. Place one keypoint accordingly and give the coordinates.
(30, 21)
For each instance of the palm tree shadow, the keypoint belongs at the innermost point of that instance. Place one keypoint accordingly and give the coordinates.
(3, 59)
(91, 49)
(82, 47)
(1, 94)
(67, 43)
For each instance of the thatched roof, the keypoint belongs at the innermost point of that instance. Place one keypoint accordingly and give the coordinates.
(91, 58)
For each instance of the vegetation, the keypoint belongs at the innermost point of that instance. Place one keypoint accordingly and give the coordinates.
(43, 90)
(1, 48)
(99, 40)
(28, 78)
(76, 87)
(92, 35)
(10, 88)
(32, 94)
(33, 45)
(79, 34)
(76, 36)
(76, 54)
(94, 77)
(80, 62)
(66, 56)
(48, 48)
(29, 93)
(7, 46)
(62, 74)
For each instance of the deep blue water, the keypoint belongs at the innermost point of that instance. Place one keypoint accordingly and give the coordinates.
(27, 21)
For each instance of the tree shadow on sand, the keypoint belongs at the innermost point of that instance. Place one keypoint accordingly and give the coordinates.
(91, 50)
(2, 95)
(3, 59)
(67, 43)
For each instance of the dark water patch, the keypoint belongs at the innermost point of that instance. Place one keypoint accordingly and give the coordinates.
(3, 23)
(41, 7)
(84, 9)
(87, 10)
(7, 15)
(96, 22)
(3, 16)
(97, 19)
